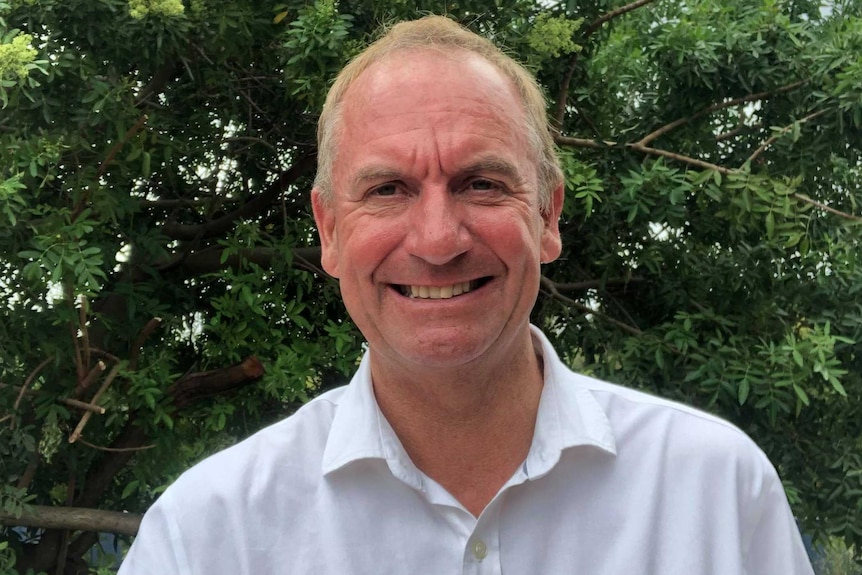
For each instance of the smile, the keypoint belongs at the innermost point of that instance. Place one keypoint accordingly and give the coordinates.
(440, 292)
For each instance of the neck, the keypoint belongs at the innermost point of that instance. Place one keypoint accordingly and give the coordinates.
(470, 427)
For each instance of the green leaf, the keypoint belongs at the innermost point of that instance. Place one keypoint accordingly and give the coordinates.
(744, 389)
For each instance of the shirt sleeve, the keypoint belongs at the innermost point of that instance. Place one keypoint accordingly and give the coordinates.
(775, 546)
(157, 548)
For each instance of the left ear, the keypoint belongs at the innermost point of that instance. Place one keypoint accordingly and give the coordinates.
(552, 245)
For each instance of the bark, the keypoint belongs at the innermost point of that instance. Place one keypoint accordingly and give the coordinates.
(74, 519)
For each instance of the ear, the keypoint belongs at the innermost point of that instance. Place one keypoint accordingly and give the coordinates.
(324, 217)
(552, 245)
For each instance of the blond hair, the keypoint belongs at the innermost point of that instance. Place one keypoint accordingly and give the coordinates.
(438, 32)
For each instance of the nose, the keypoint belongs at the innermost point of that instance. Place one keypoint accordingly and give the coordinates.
(437, 232)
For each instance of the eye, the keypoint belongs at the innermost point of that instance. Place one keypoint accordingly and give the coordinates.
(385, 190)
(483, 185)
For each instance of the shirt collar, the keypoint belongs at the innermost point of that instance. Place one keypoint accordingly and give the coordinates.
(568, 416)
(359, 431)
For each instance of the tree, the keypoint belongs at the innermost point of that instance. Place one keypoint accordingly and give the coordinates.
(160, 271)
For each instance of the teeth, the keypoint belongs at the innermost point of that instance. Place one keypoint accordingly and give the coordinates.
(435, 292)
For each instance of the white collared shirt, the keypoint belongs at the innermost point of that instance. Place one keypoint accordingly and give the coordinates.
(616, 481)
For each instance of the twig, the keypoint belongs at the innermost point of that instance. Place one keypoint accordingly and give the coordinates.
(140, 340)
(85, 336)
(681, 158)
(251, 139)
(552, 288)
(83, 405)
(115, 449)
(28, 381)
(563, 94)
(769, 141)
(118, 145)
(813, 202)
(605, 144)
(598, 23)
(69, 402)
(594, 284)
(584, 143)
(80, 370)
(86, 417)
(715, 107)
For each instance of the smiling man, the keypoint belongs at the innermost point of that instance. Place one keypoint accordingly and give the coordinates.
(463, 444)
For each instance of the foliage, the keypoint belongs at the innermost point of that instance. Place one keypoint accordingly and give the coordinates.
(155, 162)
(836, 559)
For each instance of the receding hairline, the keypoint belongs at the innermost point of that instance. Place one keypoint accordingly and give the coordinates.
(443, 35)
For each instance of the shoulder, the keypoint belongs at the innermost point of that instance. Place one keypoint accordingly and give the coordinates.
(291, 448)
(645, 424)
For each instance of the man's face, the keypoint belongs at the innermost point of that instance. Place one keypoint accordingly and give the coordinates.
(434, 230)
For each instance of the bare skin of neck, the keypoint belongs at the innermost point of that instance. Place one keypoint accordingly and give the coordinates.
(468, 428)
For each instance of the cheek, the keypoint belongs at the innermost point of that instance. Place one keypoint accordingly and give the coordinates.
(365, 243)
(511, 236)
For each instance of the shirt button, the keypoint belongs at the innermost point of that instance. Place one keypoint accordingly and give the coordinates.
(480, 550)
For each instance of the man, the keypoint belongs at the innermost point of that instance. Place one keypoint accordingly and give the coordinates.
(463, 444)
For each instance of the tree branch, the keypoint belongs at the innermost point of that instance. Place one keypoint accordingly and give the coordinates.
(549, 285)
(602, 20)
(251, 208)
(715, 107)
(596, 284)
(769, 141)
(88, 414)
(63, 400)
(209, 261)
(73, 519)
(195, 386)
(563, 94)
(681, 158)
(28, 381)
(140, 340)
(604, 145)
(115, 449)
(813, 202)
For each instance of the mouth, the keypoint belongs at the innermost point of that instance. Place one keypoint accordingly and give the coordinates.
(440, 292)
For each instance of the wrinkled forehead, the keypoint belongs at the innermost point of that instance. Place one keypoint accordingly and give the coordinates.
(428, 89)
(412, 75)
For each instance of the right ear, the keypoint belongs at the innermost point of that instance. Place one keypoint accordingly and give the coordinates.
(324, 217)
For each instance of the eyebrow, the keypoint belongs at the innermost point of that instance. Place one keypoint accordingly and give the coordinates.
(492, 164)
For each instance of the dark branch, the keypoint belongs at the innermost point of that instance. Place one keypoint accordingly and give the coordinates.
(563, 94)
(603, 145)
(597, 284)
(209, 261)
(251, 208)
(598, 23)
(720, 106)
(551, 287)
(73, 519)
(195, 386)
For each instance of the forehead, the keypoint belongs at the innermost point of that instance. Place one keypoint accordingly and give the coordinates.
(448, 96)
(414, 77)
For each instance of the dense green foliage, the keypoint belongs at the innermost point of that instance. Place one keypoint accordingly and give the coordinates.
(155, 162)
